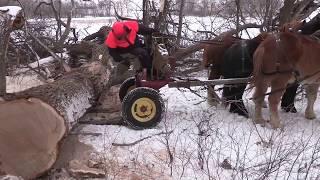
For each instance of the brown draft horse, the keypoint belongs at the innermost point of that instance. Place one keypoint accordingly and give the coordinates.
(212, 59)
(276, 62)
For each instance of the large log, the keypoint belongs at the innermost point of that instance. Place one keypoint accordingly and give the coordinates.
(34, 121)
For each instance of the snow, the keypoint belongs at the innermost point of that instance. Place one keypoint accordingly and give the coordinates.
(207, 135)
(250, 149)
(41, 61)
(13, 10)
(203, 137)
(199, 137)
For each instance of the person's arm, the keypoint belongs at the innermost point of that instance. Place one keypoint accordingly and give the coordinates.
(115, 54)
(144, 30)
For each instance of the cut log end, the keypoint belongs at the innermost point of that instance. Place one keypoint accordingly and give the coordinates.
(30, 144)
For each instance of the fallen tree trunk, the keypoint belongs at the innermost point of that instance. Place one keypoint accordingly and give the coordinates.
(34, 121)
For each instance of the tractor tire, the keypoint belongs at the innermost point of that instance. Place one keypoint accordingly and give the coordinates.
(142, 108)
(128, 85)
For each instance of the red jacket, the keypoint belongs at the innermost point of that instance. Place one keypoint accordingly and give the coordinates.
(119, 29)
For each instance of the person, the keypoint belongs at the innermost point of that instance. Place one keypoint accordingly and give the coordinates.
(123, 38)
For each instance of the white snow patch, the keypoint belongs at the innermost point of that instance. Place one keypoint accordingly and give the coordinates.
(41, 62)
(203, 137)
(11, 10)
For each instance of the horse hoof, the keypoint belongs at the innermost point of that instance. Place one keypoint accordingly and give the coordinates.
(262, 122)
(265, 104)
(242, 112)
(310, 115)
(212, 102)
(276, 125)
(291, 109)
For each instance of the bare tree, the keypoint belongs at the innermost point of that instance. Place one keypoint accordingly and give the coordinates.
(182, 4)
(5, 31)
(8, 23)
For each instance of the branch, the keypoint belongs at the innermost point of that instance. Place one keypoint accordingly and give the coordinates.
(300, 7)
(140, 140)
(121, 17)
(64, 64)
(67, 30)
(198, 46)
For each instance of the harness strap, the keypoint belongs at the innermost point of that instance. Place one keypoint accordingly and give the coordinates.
(278, 72)
(278, 61)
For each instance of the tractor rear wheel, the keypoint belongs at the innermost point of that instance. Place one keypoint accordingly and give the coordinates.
(142, 108)
(128, 85)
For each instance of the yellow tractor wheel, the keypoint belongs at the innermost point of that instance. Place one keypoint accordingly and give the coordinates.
(142, 108)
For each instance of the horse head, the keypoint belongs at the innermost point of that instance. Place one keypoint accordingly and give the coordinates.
(213, 51)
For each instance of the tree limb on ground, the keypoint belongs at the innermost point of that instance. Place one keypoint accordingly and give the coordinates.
(140, 140)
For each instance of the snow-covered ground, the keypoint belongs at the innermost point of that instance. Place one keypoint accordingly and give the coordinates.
(197, 141)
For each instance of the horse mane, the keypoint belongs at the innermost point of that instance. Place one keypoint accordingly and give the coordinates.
(287, 51)
(292, 26)
(213, 52)
(257, 62)
(291, 42)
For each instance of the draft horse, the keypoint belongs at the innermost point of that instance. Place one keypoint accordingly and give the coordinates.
(277, 61)
(212, 59)
(233, 59)
(237, 63)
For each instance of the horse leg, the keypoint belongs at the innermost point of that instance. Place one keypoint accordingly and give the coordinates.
(264, 104)
(287, 101)
(258, 96)
(226, 95)
(212, 98)
(277, 89)
(237, 105)
(311, 90)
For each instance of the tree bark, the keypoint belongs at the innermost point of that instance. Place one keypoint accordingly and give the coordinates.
(286, 11)
(180, 22)
(145, 10)
(4, 41)
(34, 121)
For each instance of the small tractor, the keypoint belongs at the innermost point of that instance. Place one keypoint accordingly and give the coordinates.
(142, 105)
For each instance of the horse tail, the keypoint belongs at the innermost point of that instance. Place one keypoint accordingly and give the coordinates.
(258, 62)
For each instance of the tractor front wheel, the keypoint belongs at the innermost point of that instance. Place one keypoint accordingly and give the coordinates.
(142, 108)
